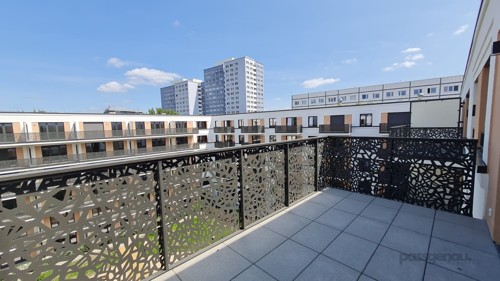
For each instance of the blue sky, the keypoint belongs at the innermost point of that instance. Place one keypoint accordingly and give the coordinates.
(83, 56)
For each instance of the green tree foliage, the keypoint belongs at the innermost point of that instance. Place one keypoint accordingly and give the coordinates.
(161, 111)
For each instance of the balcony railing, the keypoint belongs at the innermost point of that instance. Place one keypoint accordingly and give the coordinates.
(288, 129)
(223, 130)
(221, 144)
(133, 218)
(342, 129)
(253, 129)
(75, 158)
(385, 127)
(85, 135)
(431, 133)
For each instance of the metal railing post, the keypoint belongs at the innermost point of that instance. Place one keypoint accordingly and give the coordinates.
(316, 168)
(242, 189)
(162, 212)
(287, 178)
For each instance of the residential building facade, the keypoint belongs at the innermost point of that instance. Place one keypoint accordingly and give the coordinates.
(46, 138)
(436, 88)
(234, 86)
(480, 117)
(183, 96)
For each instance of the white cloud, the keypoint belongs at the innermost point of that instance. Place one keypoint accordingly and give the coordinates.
(176, 23)
(461, 29)
(411, 50)
(116, 62)
(414, 57)
(350, 61)
(316, 82)
(114, 87)
(149, 76)
(137, 77)
(394, 66)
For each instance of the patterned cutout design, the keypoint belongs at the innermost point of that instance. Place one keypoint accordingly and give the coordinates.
(429, 133)
(201, 201)
(93, 225)
(264, 181)
(301, 171)
(434, 173)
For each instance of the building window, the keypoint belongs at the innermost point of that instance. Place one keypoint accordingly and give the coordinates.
(240, 123)
(202, 139)
(296, 103)
(365, 120)
(8, 154)
(431, 90)
(201, 124)
(417, 92)
(364, 96)
(241, 139)
(272, 122)
(334, 99)
(272, 138)
(321, 100)
(141, 143)
(376, 96)
(54, 150)
(304, 102)
(402, 93)
(118, 145)
(312, 121)
(389, 94)
(313, 101)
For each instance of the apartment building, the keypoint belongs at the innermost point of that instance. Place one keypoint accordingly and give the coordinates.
(233, 86)
(183, 96)
(42, 138)
(436, 88)
(480, 94)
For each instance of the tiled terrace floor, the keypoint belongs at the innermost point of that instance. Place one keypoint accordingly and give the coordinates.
(338, 235)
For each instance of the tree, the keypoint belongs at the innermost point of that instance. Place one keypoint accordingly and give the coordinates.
(161, 111)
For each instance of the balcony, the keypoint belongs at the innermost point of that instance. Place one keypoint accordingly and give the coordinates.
(288, 129)
(87, 135)
(432, 133)
(339, 129)
(6, 165)
(223, 130)
(253, 129)
(222, 144)
(398, 206)
(385, 127)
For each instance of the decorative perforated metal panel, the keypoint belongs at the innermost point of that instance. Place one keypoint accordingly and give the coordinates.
(430, 133)
(301, 171)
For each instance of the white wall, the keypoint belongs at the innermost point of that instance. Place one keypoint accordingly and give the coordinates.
(437, 113)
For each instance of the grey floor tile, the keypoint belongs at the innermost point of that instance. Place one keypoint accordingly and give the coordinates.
(386, 264)
(462, 220)
(368, 229)
(463, 235)
(252, 274)
(351, 206)
(365, 278)
(406, 241)
(287, 224)
(287, 261)
(323, 268)
(168, 276)
(436, 273)
(351, 250)
(379, 213)
(473, 263)
(361, 197)
(336, 218)
(326, 199)
(418, 210)
(387, 203)
(414, 222)
(316, 236)
(256, 244)
(309, 210)
(336, 191)
(224, 264)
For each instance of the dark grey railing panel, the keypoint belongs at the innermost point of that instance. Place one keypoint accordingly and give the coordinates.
(202, 195)
(430, 133)
(301, 169)
(90, 225)
(264, 181)
(434, 173)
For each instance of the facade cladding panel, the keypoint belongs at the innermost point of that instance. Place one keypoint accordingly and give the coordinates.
(168, 97)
